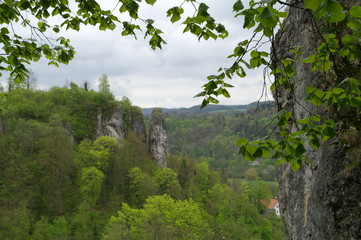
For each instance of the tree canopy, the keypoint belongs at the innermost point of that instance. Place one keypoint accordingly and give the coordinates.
(262, 17)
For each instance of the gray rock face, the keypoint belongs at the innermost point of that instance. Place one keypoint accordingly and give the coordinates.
(158, 142)
(67, 127)
(321, 200)
(111, 126)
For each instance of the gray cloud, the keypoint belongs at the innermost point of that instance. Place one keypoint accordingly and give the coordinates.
(166, 78)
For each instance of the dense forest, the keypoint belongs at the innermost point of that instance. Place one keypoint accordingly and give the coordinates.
(211, 135)
(58, 180)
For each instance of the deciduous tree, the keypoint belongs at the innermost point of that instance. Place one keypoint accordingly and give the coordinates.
(161, 218)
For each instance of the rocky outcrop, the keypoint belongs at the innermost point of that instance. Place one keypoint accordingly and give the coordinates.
(67, 127)
(321, 200)
(158, 143)
(111, 125)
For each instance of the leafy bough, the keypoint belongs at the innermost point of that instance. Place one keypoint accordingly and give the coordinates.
(263, 17)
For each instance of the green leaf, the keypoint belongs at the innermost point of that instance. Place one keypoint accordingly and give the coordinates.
(295, 166)
(337, 90)
(238, 6)
(266, 152)
(204, 103)
(201, 94)
(248, 156)
(303, 121)
(337, 17)
(336, 12)
(312, 4)
(226, 93)
(258, 153)
(251, 149)
(310, 59)
(242, 141)
(314, 143)
(150, 2)
(266, 17)
(175, 14)
(227, 85)
(254, 54)
(328, 133)
(315, 118)
(355, 11)
(355, 101)
(310, 89)
(249, 18)
(300, 149)
(213, 100)
(316, 101)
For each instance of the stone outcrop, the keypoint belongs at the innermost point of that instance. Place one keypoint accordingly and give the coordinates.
(111, 125)
(158, 143)
(67, 127)
(322, 200)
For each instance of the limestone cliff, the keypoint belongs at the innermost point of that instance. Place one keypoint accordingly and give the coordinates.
(322, 200)
(111, 125)
(158, 137)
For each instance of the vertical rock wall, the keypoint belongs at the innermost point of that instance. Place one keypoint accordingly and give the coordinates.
(111, 126)
(158, 142)
(321, 200)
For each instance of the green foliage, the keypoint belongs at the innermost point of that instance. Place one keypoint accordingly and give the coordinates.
(251, 174)
(91, 181)
(141, 185)
(44, 175)
(15, 222)
(104, 86)
(337, 49)
(99, 154)
(214, 136)
(263, 17)
(167, 182)
(70, 190)
(44, 230)
(126, 107)
(161, 218)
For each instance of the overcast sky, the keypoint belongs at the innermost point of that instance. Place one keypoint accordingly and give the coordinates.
(162, 78)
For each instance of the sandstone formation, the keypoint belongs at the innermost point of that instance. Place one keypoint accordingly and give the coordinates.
(111, 126)
(322, 200)
(158, 138)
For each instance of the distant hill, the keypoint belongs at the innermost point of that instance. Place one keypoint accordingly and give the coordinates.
(210, 109)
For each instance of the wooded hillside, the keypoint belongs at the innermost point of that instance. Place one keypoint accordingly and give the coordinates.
(58, 181)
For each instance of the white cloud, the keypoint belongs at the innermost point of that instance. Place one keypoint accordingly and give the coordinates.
(166, 78)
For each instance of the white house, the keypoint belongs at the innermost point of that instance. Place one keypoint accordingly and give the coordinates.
(274, 206)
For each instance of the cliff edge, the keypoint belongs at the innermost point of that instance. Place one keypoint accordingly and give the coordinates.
(321, 200)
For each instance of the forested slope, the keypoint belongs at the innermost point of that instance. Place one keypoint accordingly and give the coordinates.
(212, 136)
(58, 180)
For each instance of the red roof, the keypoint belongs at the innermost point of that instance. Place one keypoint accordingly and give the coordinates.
(272, 203)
